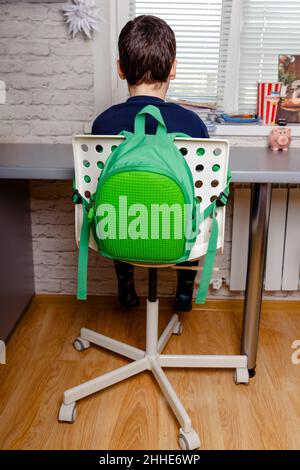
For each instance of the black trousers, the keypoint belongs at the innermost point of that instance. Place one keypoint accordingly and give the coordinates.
(125, 274)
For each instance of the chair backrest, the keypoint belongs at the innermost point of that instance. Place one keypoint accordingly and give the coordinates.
(207, 159)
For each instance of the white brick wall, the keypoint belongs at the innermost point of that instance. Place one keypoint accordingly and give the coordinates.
(49, 77)
(50, 95)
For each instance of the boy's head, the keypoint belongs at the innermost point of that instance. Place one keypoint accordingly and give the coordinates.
(147, 52)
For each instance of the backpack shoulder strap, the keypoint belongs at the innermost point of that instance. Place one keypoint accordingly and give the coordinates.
(213, 241)
(83, 257)
(87, 217)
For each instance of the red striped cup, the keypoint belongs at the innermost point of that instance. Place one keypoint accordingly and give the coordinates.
(267, 104)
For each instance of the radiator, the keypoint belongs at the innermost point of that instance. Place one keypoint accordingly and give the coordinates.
(283, 249)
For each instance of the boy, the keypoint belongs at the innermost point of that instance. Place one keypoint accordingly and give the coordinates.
(147, 60)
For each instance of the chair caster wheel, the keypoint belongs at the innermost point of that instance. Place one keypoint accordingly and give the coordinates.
(81, 344)
(252, 373)
(241, 376)
(67, 413)
(178, 329)
(188, 440)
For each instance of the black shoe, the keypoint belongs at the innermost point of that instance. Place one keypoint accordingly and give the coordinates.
(185, 287)
(184, 297)
(128, 298)
(126, 290)
(183, 303)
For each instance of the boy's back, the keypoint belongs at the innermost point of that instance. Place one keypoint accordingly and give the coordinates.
(147, 61)
(121, 117)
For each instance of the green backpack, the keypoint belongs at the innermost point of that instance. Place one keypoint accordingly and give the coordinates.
(144, 209)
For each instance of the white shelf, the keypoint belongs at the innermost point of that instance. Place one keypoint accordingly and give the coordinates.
(249, 130)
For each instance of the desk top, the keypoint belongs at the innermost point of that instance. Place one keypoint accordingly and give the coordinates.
(55, 161)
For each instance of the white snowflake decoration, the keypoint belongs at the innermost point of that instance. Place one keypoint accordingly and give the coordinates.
(82, 15)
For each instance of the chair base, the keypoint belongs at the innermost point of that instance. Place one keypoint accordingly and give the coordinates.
(153, 360)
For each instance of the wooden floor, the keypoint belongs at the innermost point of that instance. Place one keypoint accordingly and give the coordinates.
(41, 363)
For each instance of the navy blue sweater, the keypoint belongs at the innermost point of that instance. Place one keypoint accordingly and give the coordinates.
(121, 117)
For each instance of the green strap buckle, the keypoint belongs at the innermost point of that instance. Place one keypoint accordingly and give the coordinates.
(222, 199)
(90, 215)
(76, 197)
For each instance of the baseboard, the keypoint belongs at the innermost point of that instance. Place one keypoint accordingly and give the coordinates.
(167, 302)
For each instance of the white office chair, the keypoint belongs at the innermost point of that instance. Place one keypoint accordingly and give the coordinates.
(208, 161)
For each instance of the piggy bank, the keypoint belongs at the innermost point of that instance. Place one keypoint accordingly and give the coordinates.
(280, 138)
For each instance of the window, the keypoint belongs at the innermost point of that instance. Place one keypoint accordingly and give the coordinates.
(269, 28)
(224, 46)
(201, 28)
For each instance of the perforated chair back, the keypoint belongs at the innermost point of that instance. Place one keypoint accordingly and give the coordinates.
(207, 159)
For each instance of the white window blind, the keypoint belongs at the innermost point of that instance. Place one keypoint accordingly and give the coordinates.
(270, 28)
(201, 28)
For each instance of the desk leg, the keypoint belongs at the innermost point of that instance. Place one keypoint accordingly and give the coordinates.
(16, 259)
(259, 224)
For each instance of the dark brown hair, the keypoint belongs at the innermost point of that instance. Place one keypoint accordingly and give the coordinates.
(147, 50)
